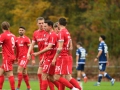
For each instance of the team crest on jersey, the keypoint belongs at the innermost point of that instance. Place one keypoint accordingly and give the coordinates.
(21, 41)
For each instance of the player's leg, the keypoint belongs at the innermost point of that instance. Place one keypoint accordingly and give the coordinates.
(61, 68)
(1, 78)
(26, 78)
(20, 76)
(44, 81)
(73, 81)
(100, 75)
(83, 73)
(51, 84)
(79, 75)
(107, 75)
(39, 73)
(11, 79)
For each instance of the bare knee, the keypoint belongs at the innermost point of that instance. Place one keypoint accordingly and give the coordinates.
(56, 77)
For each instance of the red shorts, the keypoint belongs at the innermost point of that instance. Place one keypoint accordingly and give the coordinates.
(7, 65)
(62, 65)
(23, 62)
(70, 63)
(48, 68)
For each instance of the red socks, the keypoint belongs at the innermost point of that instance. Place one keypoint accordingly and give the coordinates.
(40, 79)
(26, 79)
(51, 85)
(65, 82)
(44, 85)
(20, 76)
(75, 83)
(1, 81)
(12, 82)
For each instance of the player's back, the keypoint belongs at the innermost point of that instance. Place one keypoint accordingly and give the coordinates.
(64, 36)
(7, 40)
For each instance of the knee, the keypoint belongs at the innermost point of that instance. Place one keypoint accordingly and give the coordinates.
(56, 77)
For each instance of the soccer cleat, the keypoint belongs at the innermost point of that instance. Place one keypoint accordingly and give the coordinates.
(85, 79)
(112, 82)
(97, 84)
(17, 89)
(74, 88)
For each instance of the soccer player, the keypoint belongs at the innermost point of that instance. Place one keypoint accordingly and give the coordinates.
(22, 46)
(61, 58)
(80, 61)
(103, 58)
(56, 28)
(49, 50)
(39, 37)
(7, 40)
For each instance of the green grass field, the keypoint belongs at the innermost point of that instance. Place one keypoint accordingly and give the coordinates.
(86, 86)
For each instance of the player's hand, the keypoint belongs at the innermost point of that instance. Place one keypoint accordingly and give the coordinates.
(95, 60)
(33, 62)
(35, 54)
(53, 62)
(108, 63)
(28, 56)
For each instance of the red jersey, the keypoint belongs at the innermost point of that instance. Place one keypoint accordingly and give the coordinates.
(7, 40)
(52, 39)
(64, 36)
(39, 36)
(22, 46)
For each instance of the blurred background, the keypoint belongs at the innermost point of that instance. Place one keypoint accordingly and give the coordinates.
(87, 19)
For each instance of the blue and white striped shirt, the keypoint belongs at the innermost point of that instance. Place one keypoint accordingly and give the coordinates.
(104, 48)
(81, 52)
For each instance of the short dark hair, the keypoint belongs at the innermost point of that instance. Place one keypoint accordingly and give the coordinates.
(40, 18)
(22, 27)
(103, 37)
(5, 25)
(49, 22)
(62, 21)
(79, 43)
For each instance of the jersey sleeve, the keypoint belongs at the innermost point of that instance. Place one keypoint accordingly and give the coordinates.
(77, 52)
(61, 36)
(28, 41)
(2, 38)
(100, 47)
(52, 39)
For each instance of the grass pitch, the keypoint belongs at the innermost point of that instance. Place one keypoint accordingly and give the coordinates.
(86, 86)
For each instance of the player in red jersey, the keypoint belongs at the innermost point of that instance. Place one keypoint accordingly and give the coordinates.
(49, 50)
(7, 40)
(39, 37)
(22, 45)
(61, 57)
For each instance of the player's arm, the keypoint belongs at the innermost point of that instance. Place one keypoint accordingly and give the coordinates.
(30, 50)
(70, 47)
(49, 47)
(59, 49)
(107, 55)
(98, 55)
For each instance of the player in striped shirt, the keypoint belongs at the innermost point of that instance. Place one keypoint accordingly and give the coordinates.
(103, 58)
(80, 61)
